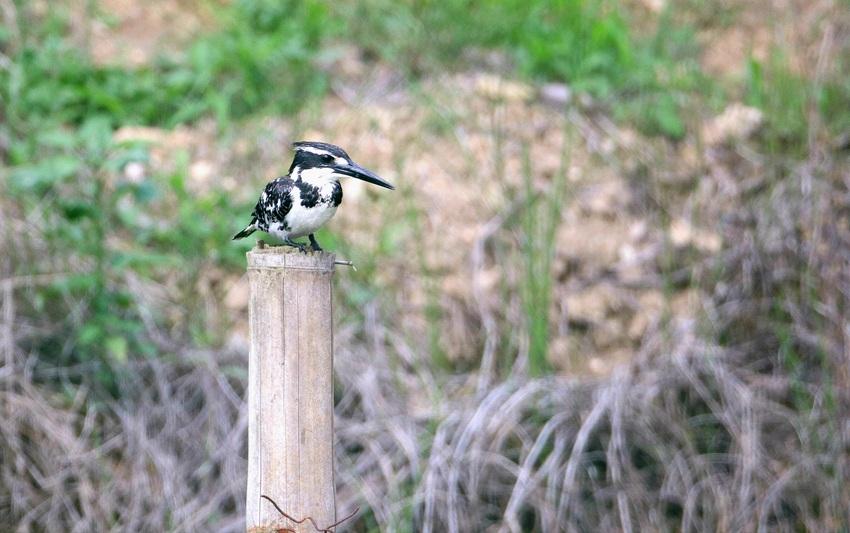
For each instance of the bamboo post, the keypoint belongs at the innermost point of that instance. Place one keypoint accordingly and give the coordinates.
(290, 390)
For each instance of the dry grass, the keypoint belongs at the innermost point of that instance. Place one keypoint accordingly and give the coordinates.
(688, 435)
(168, 457)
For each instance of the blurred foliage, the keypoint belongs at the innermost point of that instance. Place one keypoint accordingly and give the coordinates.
(665, 80)
(101, 228)
(79, 214)
(260, 57)
(791, 102)
(59, 109)
(586, 44)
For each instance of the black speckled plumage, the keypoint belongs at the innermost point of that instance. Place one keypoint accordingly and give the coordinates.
(309, 194)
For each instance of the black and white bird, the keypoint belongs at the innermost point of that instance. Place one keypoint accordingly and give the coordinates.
(301, 202)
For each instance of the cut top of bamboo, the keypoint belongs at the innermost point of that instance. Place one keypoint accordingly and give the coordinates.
(284, 257)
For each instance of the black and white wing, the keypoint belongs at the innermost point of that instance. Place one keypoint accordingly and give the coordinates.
(272, 207)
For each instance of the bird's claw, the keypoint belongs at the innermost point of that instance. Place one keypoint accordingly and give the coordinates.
(301, 247)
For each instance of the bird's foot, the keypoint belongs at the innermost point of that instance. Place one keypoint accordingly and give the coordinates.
(301, 247)
(314, 244)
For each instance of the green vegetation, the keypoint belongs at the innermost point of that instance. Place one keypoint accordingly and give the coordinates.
(586, 44)
(60, 110)
(539, 220)
(261, 57)
(791, 102)
(73, 192)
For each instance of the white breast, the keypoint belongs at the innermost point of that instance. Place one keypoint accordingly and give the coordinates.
(303, 221)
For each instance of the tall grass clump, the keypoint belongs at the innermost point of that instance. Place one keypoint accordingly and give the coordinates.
(539, 220)
(794, 105)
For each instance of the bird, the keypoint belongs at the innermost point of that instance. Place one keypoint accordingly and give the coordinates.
(301, 202)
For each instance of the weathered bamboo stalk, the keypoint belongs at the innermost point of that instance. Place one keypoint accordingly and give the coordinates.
(290, 390)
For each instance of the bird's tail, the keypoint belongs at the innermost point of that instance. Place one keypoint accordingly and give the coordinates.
(249, 229)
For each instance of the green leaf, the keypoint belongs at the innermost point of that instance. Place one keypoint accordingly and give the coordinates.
(75, 210)
(117, 348)
(133, 151)
(43, 174)
(57, 138)
(76, 282)
(667, 118)
(89, 334)
(96, 133)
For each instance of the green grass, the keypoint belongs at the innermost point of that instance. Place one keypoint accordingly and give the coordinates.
(791, 102)
(260, 58)
(539, 221)
(98, 228)
(586, 44)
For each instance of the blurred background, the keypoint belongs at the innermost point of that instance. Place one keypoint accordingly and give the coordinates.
(610, 292)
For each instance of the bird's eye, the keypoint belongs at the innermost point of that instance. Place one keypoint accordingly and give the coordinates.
(327, 158)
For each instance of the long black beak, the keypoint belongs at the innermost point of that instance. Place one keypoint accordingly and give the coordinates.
(356, 171)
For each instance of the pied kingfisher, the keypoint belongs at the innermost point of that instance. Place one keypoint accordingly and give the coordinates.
(301, 202)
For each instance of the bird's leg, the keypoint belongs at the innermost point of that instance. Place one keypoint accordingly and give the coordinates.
(301, 247)
(314, 244)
